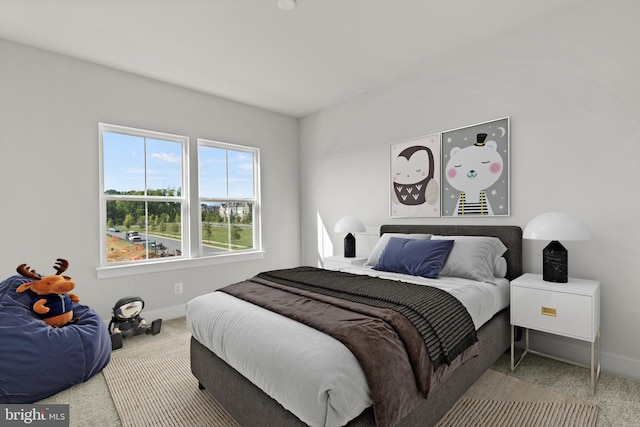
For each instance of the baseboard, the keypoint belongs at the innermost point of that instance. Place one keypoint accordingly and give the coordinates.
(580, 351)
(166, 313)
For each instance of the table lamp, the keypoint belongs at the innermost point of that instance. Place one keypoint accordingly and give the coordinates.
(349, 224)
(555, 226)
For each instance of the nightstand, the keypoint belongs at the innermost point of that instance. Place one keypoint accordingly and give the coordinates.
(569, 309)
(338, 262)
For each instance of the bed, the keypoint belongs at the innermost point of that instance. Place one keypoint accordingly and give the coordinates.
(253, 405)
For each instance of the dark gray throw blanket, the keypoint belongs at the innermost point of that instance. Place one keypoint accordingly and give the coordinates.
(425, 306)
(411, 328)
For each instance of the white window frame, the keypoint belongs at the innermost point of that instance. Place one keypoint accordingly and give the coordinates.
(190, 211)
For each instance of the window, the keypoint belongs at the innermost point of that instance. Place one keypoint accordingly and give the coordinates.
(227, 196)
(147, 216)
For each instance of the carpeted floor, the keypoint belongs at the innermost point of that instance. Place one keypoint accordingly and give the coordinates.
(91, 403)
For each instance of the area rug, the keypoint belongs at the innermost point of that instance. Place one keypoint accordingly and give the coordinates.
(482, 412)
(161, 392)
(148, 346)
(500, 400)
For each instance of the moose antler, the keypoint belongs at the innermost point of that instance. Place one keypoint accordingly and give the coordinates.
(27, 271)
(61, 265)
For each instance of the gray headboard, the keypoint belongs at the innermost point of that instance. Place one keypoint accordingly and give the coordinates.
(511, 236)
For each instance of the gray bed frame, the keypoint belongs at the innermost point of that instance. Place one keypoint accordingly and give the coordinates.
(250, 406)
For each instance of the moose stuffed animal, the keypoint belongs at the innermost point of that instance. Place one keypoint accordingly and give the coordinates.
(52, 302)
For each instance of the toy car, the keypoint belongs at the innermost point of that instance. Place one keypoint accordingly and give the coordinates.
(126, 321)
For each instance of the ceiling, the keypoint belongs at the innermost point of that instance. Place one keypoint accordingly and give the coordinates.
(295, 62)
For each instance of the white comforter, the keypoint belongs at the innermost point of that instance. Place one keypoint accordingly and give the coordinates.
(311, 374)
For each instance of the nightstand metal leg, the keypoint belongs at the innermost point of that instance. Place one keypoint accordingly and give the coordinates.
(512, 347)
(514, 363)
(595, 371)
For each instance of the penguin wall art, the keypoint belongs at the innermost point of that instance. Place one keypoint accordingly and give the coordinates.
(415, 177)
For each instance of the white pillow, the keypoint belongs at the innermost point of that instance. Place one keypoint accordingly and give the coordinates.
(500, 267)
(384, 239)
(472, 257)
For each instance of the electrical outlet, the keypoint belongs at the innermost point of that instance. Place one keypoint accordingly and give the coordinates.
(177, 288)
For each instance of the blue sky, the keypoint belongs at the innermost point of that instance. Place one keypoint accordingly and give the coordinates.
(124, 167)
(211, 164)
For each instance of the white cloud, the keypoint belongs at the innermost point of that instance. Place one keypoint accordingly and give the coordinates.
(166, 157)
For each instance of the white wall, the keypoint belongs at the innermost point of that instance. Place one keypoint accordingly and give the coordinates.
(50, 106)
(571, 86)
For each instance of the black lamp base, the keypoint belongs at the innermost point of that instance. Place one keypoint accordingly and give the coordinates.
(350, 246)
(554, 263)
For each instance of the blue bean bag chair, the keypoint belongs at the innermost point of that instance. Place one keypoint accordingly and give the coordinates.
(38, 360)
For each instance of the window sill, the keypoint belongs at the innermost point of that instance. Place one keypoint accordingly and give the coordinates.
(175, 264)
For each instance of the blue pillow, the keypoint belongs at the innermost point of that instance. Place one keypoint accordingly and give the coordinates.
(415, 257)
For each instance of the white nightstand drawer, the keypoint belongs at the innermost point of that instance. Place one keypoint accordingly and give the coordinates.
(555, 312)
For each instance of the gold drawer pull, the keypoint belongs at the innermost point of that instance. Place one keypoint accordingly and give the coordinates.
(546, 311)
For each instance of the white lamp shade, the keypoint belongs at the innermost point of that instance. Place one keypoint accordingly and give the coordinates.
(349, 224)
(556, 226)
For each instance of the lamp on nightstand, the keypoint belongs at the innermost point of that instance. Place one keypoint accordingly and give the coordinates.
(349, 224)
(555, 226)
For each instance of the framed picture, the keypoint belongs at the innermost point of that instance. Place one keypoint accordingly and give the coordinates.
(475, 180)
(415, 177)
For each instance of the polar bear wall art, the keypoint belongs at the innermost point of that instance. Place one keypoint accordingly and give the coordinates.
(475, 173)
